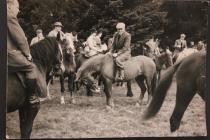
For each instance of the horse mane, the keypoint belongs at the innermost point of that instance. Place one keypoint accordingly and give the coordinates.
(44, 50)
(90, 65)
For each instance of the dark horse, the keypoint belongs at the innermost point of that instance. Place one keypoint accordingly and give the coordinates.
(190, 77)
(46, 55)
(138, 68)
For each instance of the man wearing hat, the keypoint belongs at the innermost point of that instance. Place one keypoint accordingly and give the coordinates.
(57, 28)
(39, 37)
(121, 49)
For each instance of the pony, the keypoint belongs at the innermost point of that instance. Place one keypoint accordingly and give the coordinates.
(70, 69)
(183, 54)
(165, 58)
(139, 68)
(190, 78)
(46, 55)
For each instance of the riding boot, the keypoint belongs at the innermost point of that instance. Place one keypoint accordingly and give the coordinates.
(31, 91)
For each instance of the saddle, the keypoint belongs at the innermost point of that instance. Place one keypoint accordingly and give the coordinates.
(41, 83)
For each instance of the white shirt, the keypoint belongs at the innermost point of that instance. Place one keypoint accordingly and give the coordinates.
(54, 33)
(36, 39)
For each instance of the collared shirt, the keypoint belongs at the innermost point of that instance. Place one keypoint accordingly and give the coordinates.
(54, 33)
(36, 39)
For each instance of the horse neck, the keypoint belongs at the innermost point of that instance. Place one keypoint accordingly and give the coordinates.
(91, 65)
(44, 55)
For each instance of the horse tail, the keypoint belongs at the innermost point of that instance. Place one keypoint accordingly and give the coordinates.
(160, 92)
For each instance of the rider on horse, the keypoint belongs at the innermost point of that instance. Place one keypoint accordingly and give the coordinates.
(179, 45)
(19, 57)
(153, 47)
(121, 49)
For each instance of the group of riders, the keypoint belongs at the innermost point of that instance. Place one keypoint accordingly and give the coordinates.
(119, 46)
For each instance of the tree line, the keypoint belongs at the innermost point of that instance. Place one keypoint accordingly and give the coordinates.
(143, 18)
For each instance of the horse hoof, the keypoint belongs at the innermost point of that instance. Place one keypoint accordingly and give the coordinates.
(108, 108)
(137, 104)
(129, 95)
(49, 97)
(72, 101)
(62, 100)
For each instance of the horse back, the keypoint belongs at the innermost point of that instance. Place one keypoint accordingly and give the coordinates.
(139, 65)
(16, 94)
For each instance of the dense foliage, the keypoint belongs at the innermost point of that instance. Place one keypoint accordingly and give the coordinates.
(142, 17)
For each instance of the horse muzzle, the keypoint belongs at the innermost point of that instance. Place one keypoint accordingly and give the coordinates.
(59, 69)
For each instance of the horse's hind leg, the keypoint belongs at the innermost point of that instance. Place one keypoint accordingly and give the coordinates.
(27, 116)
(149, 89)
(183, 97)
(140, 82)
(62, 89)
(108, 91)
(129, 89)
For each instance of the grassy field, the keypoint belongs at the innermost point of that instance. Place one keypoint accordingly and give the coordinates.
(89, 117)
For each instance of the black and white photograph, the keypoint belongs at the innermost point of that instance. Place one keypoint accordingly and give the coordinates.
(106, 68)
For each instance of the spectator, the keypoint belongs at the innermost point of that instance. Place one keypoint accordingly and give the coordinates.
(57, 28)
(39, 37)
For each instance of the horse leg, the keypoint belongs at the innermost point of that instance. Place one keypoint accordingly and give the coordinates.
(184, 95)
(27, 116)
(149, 89)
(48, 90)
(140, 82)
(62, 101)
(129, 89)
(71, 78)
(108, 92)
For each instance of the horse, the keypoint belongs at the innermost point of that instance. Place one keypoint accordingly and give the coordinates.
(46, 55)
(80, 58)
(165, 58)
(183, 54)
(70, 69)
(190, 78)
(139, 68)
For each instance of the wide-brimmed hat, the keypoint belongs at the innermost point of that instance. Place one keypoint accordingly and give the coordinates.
(39, 31)
(58, 24)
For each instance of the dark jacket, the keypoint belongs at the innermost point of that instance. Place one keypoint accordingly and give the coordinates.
(122, 44)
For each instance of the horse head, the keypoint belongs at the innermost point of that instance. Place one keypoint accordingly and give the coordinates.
(58, 63)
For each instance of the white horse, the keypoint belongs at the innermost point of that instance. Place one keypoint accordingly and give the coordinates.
(185, 53)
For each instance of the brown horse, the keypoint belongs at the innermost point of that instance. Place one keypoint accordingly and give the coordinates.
(46, 55)
(190, 77)
(160, 60)
(139, 68)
